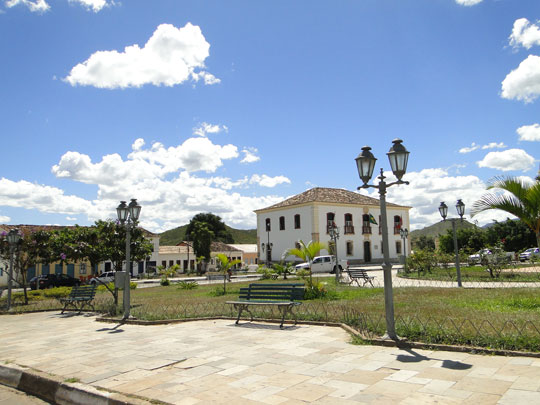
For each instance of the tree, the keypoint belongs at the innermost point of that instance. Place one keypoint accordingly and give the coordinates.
(307, 253)
(225, 265)
(469, 239)
(214, 223)
(514, 235)
(423, 242)
(202, 241)
(522, 199)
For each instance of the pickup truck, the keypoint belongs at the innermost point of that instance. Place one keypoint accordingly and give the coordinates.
(490, 256)
(323, 264)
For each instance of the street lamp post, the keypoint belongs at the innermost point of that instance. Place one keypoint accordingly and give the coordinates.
(334, 235)
(128, 215)
(404, 233)
(13, 238)
(443, 210)
(268, 247)
(365, 163)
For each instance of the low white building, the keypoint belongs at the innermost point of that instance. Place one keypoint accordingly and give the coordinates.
(308, 216)
(183, 255)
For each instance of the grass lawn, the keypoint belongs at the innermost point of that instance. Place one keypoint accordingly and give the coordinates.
(512, 273)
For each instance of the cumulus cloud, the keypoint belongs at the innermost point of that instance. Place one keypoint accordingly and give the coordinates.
(468, 2)
(511, 159)
(267, 181)
(529, 132)
(171, 56)
(206, 128)
(250, 155)
(523, 83)
(524, 34)
(36, 6)
(429, 187)
(4, 219)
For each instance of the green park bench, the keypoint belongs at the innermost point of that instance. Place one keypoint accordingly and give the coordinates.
(79, 297)
(284, 296)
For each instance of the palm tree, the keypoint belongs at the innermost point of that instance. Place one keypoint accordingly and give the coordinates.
(307, 252)
(522, 200)
(225, 265)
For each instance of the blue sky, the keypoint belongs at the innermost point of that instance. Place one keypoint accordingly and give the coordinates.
(228, 107)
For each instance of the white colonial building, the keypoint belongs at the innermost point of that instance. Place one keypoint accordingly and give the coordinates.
(308, 216)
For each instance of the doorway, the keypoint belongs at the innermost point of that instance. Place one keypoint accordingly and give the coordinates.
(367, 252)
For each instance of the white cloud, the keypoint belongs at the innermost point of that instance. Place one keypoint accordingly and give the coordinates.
(37, 6)
(429, 187)
(71, 218)
(529, 132)
(267, 181)
(525, 34)
(470, 149)
(250, 155)
(468, 2)
(4, 219)
(511, 159)
(171, 56)
(494, 145)
(474, 146)
(523, 83)
(206, 128)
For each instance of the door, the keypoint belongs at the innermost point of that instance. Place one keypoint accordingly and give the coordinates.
(367, 252)
(31, 273)
(57, 269)
(71, 270)
(45, 269)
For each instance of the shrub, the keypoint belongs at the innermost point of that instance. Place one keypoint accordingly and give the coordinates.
(265, 272)
(165, 282)
(187, 285)
(57, 292)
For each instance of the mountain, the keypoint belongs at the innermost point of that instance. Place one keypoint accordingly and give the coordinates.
(176, 235)
(439, 228)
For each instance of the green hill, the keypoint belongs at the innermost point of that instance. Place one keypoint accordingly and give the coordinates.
(439, 228)
(174, 236)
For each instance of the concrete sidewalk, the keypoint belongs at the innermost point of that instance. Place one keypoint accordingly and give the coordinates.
(214, 361)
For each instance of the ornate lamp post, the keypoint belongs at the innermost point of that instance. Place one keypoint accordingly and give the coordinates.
(404, 233)
(365, 163)
(443, 210)
(268, 247)
(128, 215)
(13, 238)
(334, 235)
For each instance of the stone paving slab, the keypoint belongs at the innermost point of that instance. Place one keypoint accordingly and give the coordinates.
(214, 361)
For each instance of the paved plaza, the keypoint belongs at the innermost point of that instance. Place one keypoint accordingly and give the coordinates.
(214, 361)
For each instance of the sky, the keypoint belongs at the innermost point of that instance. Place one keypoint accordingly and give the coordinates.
(231, 106)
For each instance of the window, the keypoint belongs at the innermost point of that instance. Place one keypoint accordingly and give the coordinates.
(366, 225)
(330, 218)
(281, 223)
(171, 263)
(398, 247)
(349, 246)
(397, 224)
(164, 263)
(349, 228)
(268, 225)
(297, 221)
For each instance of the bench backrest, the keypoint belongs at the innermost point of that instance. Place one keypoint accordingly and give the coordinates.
(273, 292)
(357, 273)
(83, 291)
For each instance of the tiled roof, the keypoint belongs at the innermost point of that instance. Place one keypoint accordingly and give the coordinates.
(328, 195)
(34, 228)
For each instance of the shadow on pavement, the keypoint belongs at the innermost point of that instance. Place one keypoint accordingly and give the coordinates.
(111, 330)
(249, 325)
(416, 358)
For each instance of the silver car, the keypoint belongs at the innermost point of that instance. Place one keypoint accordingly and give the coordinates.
(103, 278)
(528, 254)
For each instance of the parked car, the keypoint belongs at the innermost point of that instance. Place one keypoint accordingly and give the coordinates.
(54, 280)
(490, 255)
(322, 264)
(529, 253)
(103, 278)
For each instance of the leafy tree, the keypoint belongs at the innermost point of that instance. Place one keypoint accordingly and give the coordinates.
(225, 265)
(514, 235)
(422, 260)
(307, 253)
(202, 241)
(522, 200)
(469, 239)
(214, 223)
(423, 242)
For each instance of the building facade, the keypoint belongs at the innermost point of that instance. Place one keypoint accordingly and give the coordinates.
(308, 217)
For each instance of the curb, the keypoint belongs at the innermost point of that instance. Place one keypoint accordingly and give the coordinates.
(53, 389)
